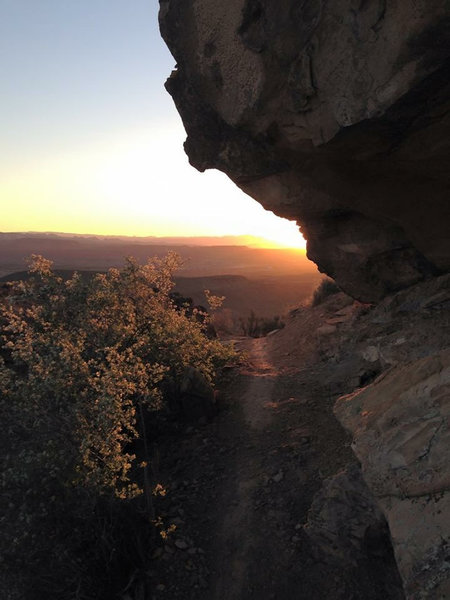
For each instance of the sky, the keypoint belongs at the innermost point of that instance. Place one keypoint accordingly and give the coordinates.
(90, 141)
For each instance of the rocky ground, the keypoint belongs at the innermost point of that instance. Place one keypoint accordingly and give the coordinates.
(268, 498)
(239, 491)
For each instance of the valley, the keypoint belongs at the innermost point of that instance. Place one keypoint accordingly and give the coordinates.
(264, 280)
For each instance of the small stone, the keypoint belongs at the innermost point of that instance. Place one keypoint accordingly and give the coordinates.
(371, 354)
(278, 477)
(160, 587)
(326, 330)
(181, 544)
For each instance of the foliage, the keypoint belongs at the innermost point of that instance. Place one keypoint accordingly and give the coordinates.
(255, 326)
(214, 302)
(327, 287)
(82, 369)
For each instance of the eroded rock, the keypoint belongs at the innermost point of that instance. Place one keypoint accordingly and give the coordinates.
(334, 114)
(401, 431)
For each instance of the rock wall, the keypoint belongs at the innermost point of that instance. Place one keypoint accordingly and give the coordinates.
(335, 114)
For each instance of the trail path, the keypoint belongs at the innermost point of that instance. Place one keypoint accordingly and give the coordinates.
(235, 547)
(243, 485)
(276, 472)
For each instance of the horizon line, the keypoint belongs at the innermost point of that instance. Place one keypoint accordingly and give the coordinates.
(273, 245)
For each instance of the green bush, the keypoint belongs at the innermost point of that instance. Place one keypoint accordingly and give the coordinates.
(327, 287)
(83, 366)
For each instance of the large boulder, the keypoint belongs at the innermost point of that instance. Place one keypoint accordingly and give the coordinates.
(335, 114)
(401, 430)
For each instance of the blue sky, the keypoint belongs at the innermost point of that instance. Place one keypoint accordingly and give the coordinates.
(73, 71)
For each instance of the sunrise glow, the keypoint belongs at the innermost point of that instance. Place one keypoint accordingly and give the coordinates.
(91, 141)
(140, 184)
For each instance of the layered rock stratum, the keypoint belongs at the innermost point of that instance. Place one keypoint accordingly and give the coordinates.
(401, 435)
(335, 114)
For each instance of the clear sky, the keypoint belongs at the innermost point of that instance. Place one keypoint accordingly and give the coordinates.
(90, 141)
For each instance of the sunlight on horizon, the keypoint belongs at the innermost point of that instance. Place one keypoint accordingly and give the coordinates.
(91, 141)
(139, 184)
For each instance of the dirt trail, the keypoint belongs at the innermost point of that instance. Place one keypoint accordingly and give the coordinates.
(236, 548)
(275, 474)
(260, 392)
(245, 483)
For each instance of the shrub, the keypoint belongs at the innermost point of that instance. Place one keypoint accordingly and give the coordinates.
(256, 327)
(82, 370)
(327, 287)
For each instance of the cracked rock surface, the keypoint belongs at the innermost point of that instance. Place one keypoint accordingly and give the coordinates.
(401, 435)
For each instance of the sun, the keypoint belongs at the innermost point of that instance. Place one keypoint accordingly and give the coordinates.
(271, 231)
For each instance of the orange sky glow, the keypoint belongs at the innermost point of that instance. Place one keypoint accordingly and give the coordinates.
(140, 184)
(91, 141)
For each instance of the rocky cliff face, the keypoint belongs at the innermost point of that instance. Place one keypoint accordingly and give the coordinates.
(335, 114)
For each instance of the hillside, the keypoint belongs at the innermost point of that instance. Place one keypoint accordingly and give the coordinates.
(273, 495)
(266, 297)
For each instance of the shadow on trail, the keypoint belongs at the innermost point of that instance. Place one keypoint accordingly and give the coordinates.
(288, 442)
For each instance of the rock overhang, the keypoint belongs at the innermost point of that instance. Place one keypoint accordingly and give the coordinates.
(335, 115)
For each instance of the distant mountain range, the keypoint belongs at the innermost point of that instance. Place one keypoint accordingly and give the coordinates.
(200, 256)
(266, 280)
(226, 240)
